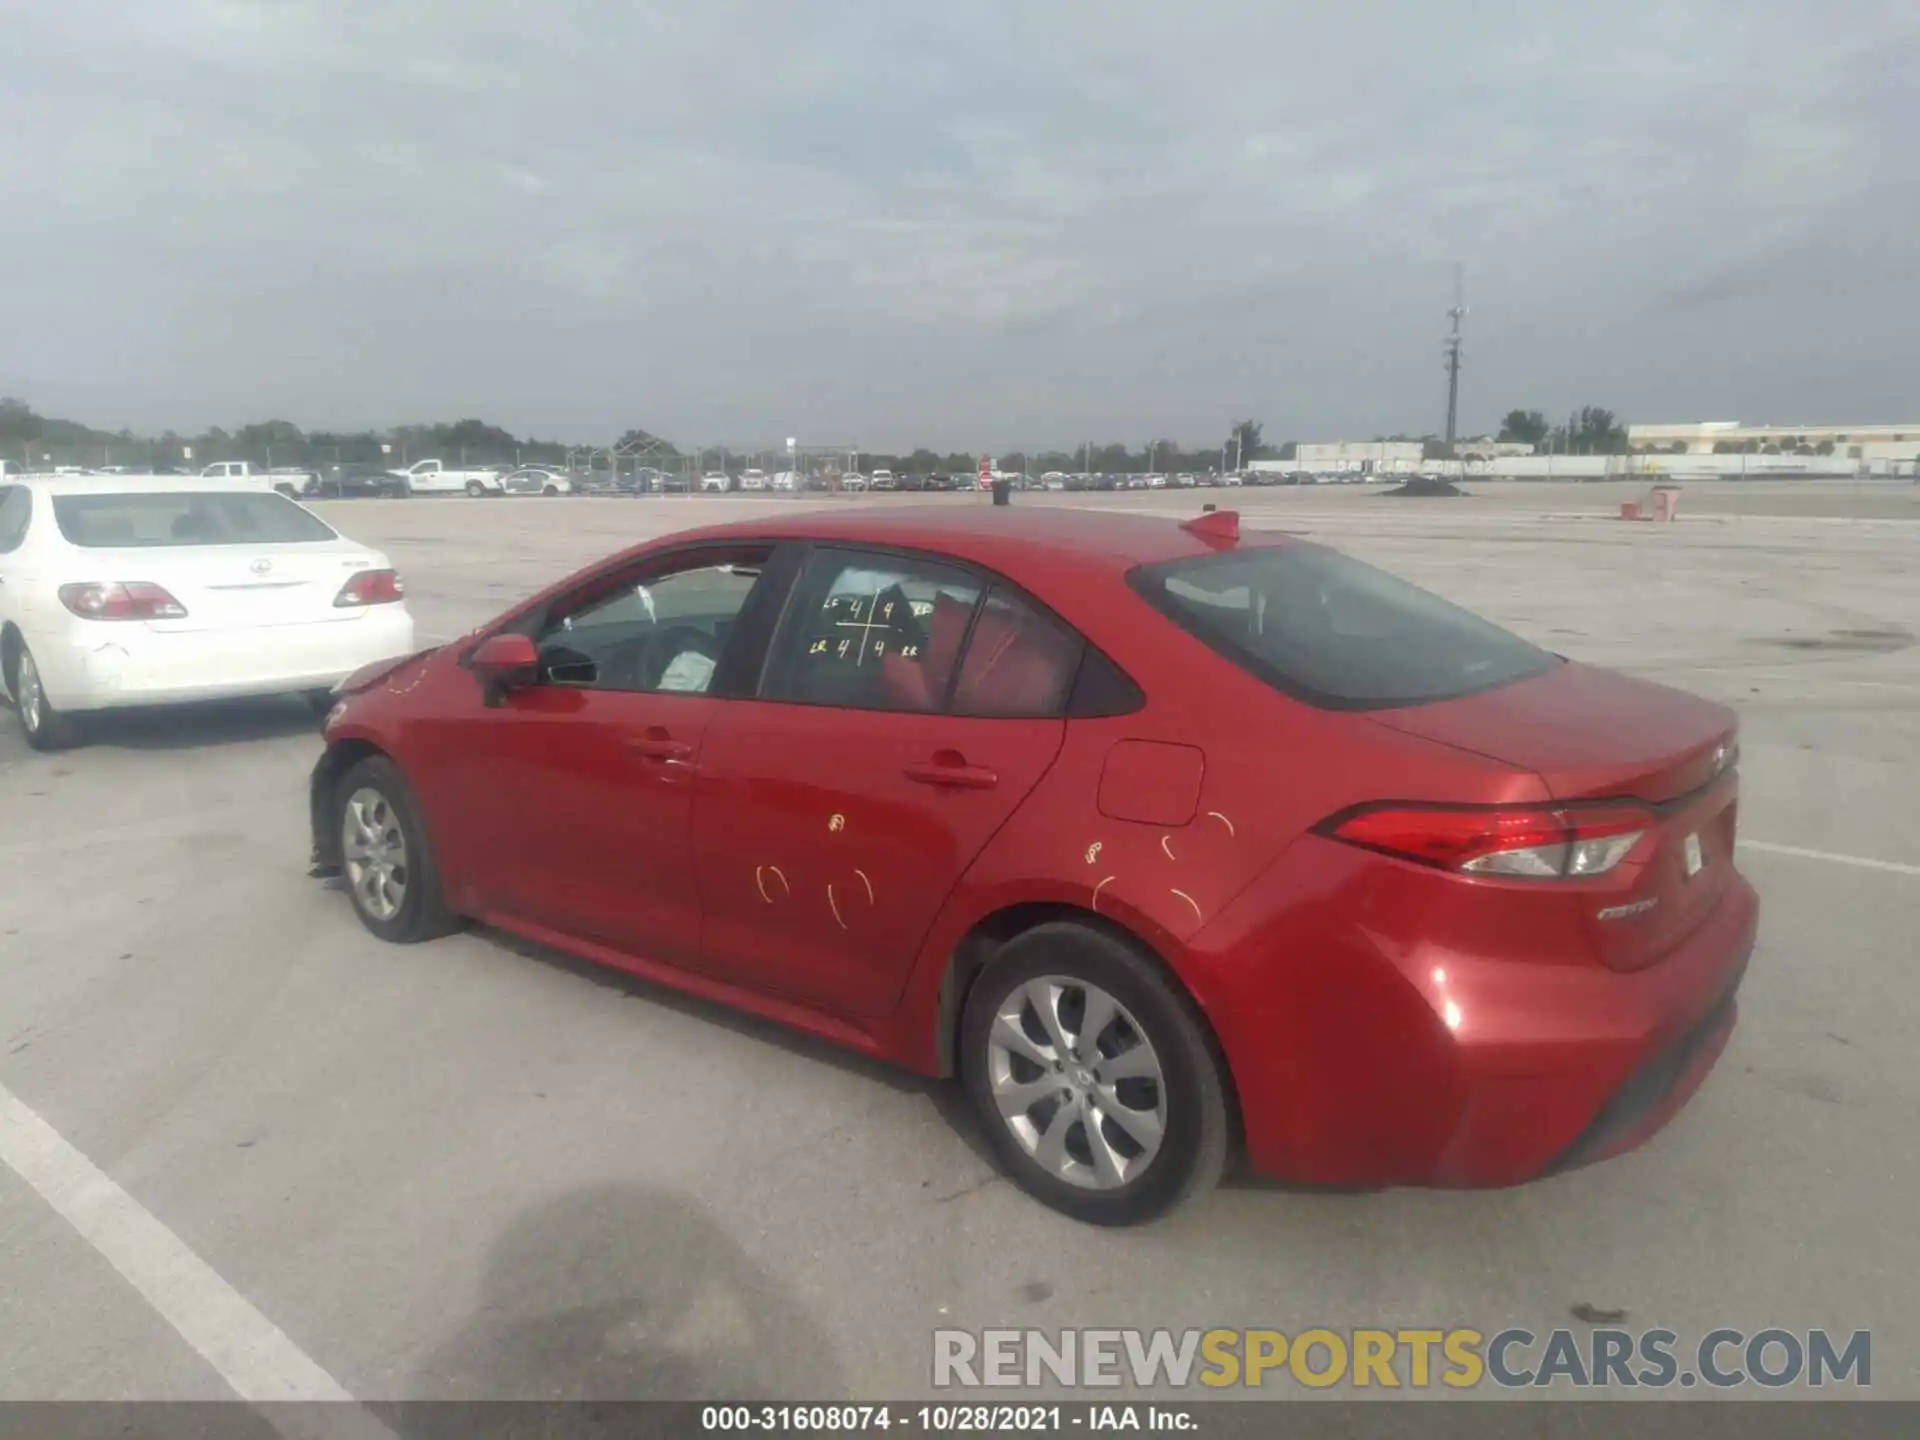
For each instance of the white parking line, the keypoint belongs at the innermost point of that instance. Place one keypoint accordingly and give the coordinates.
(1860, 862)
(248, 1350)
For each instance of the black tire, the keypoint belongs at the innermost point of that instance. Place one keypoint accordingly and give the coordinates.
(45, 728)
(318, 701)
(551, 490)
(1197, 1127)
(475, 489)
(422, 913)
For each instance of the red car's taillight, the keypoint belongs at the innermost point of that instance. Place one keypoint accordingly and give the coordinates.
(123, 600)
(371, 587)
(1524, 841)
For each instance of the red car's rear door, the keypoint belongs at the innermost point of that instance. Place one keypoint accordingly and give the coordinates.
(834, 815)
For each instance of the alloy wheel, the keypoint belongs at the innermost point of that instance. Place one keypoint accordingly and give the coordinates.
(32, 699)
(374, 848)
(1077, 1082)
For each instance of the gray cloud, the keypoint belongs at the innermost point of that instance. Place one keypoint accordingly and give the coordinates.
(893, 222)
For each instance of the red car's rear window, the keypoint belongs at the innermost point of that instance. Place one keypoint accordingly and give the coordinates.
(1334, 632)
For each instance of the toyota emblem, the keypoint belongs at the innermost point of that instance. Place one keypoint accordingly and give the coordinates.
(261, 567)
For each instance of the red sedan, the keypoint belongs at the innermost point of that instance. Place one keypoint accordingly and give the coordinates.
(1164, 841)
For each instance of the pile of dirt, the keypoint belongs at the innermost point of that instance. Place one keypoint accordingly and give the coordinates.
(1427, 487)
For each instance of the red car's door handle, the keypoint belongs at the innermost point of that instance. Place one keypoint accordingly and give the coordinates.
(656, 744)
(951, 770)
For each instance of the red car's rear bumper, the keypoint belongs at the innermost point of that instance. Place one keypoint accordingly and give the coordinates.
(1367, 1050)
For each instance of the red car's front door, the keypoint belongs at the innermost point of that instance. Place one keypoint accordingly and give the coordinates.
(834, 816)
(569, 800)
(590, 793)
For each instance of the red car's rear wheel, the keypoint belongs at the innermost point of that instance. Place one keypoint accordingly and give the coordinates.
(1093, 1076)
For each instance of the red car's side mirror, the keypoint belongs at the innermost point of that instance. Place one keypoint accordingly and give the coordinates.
(505, 662)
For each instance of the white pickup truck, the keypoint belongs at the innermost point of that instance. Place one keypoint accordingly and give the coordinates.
(433, 477)
(287, 481)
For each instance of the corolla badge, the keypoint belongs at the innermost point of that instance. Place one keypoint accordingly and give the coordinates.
(1622, 912)
(261, 567)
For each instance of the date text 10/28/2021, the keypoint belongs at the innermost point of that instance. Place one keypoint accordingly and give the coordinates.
(960, 1419)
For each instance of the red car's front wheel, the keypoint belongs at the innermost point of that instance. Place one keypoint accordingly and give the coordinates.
(386, 860)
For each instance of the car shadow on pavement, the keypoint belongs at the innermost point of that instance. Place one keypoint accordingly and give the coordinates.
(202, 725)
(946, 1097)
(614, 1293)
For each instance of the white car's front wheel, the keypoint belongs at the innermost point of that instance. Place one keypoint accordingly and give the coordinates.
(45, 727)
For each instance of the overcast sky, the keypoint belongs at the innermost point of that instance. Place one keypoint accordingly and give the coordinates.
(982, 224)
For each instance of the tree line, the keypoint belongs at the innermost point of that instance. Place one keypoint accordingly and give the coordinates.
(1590, 430)
(31, 439)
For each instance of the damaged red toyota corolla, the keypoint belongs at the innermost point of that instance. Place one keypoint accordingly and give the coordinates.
(1164, 841)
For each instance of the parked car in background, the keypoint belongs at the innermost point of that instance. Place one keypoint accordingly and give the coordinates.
(883, 480)
(436, 477)
(784, 481)
(348, 482)
(715, 482)
(753, 480)
(853, 480)
(255, 476)
(121, 591)
(537, 480)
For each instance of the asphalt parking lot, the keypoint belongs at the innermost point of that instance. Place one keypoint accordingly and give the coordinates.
(475, 1170)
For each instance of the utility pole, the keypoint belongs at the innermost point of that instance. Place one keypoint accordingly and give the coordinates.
(1455, 315)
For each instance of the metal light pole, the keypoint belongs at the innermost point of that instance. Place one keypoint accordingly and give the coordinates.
(1456, 315)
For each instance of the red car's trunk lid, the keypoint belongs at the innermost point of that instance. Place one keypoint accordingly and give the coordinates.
(1594, 734)
(1587, 733)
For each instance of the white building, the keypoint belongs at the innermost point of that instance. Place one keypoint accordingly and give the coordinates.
(1364, 455)
(1850, 442)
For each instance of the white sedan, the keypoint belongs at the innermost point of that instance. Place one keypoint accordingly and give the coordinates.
(120, 591)
(538, 480)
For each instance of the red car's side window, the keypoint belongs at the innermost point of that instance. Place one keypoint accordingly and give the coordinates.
(872, 632)
(916, 682)
(1019, 662)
